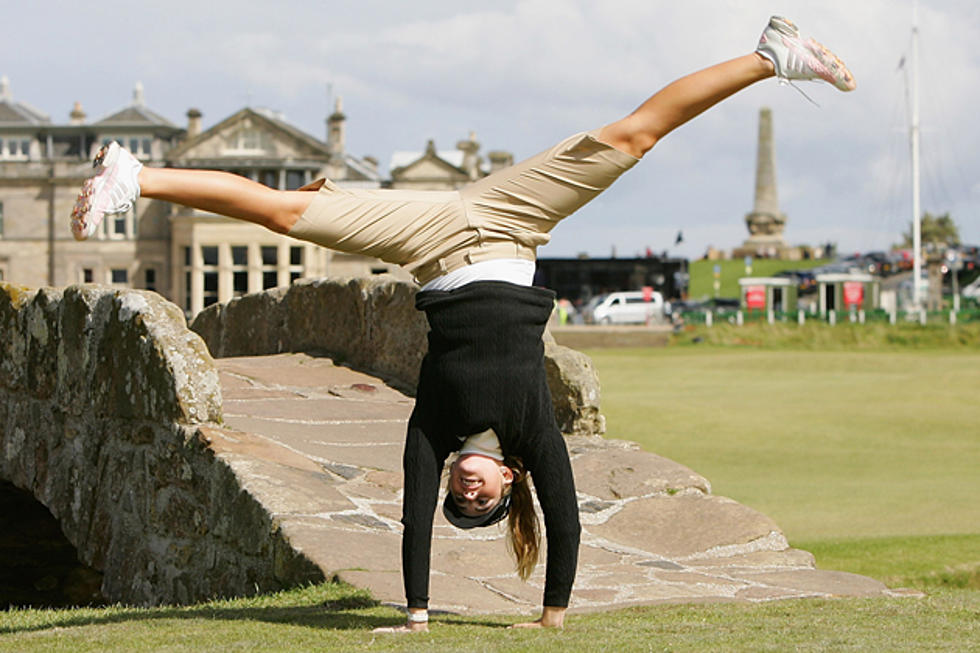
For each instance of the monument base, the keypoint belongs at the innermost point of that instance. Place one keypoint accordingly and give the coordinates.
(768, 248)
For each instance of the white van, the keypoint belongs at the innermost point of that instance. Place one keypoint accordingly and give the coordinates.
(633, 307)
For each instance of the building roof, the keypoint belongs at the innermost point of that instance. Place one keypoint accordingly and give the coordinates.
(266, 116)
(136, 114)
(764, 281)
(18, 113)
(358, 170)
(403, 158)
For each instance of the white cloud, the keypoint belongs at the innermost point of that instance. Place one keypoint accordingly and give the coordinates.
(524, 73)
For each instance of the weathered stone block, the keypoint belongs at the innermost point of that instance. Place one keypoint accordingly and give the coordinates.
(574, 386)
(687, 525)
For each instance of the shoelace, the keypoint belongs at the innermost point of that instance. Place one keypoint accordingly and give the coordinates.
(789, 82)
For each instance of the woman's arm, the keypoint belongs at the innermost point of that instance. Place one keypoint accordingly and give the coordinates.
(422, 467)
(555, 486)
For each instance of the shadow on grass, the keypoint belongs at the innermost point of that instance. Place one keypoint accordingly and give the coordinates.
(341, 614)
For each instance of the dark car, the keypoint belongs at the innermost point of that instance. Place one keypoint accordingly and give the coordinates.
(883, 264)
(724, 304)
(716, 305)
(805, 280)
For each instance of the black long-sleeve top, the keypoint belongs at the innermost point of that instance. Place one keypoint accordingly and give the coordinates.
(485, 369)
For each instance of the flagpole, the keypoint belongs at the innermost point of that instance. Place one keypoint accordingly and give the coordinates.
(914, 137)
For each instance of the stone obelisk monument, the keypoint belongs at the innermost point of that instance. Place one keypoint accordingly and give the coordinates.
(766, 223)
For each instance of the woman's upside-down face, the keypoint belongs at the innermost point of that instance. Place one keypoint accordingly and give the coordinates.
(477, 482)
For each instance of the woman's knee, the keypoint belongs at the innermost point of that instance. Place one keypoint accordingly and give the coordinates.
(625, 137)
(290, 206)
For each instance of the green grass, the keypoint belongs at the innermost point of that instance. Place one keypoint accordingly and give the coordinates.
(926, 562)
(338, 618)
(867, 458)
(830, 444)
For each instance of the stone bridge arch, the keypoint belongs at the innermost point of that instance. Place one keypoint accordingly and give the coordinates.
(105, 397)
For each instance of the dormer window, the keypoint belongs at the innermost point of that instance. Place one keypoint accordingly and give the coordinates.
(247, 140)
(140, 146)
(15, 149)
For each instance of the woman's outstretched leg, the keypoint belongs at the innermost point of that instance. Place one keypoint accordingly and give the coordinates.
(781, 52)
(227, 194)
(120, 179)
(681, 100)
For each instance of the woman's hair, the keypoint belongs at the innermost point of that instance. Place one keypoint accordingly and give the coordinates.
(523, 531)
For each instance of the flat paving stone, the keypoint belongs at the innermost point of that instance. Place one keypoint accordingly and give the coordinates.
(320, 445)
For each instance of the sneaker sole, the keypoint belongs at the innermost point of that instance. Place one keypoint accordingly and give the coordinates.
(784, 26)
(838, 73)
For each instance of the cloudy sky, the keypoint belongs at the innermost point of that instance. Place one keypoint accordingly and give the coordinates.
(523, 74)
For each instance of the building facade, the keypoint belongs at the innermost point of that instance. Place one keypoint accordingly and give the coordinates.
(193, 258)
(42, 165)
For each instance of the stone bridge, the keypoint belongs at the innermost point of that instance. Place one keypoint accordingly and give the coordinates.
(179, 478)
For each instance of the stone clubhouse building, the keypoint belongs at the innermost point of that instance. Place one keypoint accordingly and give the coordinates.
(193, 258)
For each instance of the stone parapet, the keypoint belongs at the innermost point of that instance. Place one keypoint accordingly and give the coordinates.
(371, 324)
(103, 398)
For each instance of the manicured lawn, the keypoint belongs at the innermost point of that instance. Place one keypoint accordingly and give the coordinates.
(862, 457)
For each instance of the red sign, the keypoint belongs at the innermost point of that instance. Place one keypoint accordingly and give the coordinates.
(648, 293)
(755, 297)
(853, 293)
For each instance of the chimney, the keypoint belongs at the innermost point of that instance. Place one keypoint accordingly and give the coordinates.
(336, 137)
(77, 115)
(138, 99)
(5, 88)
(500, 160)
(193, 122)
(471, 162)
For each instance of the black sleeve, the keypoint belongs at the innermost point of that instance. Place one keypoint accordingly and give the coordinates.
(554, 484)
(422, 467)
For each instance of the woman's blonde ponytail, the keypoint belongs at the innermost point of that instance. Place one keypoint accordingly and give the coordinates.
(523, 531)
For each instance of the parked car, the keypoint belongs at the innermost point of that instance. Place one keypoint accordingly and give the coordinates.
(716, 305)
(628, 307)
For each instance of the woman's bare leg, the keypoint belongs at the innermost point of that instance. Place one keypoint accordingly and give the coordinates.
(682, 100)
(226, 194)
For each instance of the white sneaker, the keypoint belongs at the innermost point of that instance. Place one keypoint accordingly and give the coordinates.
(797, 58)
(113, 189)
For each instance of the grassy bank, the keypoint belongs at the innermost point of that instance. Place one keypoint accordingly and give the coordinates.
(820, 336)
(730, 271)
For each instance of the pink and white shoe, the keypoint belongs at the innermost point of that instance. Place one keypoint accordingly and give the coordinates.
(113, 189)
(797, 58)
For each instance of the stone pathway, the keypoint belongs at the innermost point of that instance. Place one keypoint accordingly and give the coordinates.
(320, 447)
